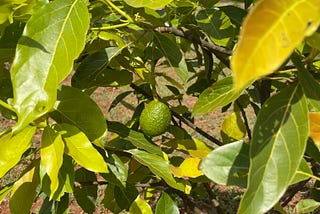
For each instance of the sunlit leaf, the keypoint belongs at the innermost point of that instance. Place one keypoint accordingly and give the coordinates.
(228, 164)
(314, 124)
(268, 36)
(159, 167)
(13, 146)
(52, 149)
(219, 94)
(166, 205)
(276, 150)
(53, 37)
(4, 192)
(78, 146)
(193, 147)
(153, 4)
(303, 172)
(140, 206)
(24, 192)
(78, 109)
(307, 206)
(233, 128)
(188, 168)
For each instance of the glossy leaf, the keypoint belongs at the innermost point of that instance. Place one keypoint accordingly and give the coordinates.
(172, 53)
(13, 146)
(277, 147)
(217, 26)
(51, 151)
(188, 168)
(153, 4)
(78, 146)
(140, 206)
(193, 147)
(77, 108)
(233, 128)
(53, 37)
(307, 206)
(130, 136)
(166, 205)
(86, 195)
(265, 43)
(219, 94)
(24, 192)
(314, 124)
(159, 167)
(228, 164)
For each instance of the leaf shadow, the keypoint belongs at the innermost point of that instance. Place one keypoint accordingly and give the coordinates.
(29, 42)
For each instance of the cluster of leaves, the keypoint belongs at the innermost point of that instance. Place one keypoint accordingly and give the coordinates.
(274, 70)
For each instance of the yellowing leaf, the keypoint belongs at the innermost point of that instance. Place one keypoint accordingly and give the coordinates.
(12, 147)
(314, 124)
(268, 36)
(193, 147)
(140, 206)
(52, 149)
(188, 168)
(233, 128)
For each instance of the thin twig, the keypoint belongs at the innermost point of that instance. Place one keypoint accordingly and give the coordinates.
(181, 118)
(244, 116)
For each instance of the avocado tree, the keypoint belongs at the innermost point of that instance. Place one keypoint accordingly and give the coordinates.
(242, 56)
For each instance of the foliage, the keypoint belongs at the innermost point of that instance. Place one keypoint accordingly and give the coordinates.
(242, 56)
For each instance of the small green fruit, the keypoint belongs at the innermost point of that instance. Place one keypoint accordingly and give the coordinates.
(155, 118)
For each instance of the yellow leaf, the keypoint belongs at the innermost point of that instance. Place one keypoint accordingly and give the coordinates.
(268, 36)
(193, 147)
(188, 168)
(314, 124)
(233, 128)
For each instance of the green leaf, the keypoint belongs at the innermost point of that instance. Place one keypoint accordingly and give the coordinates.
(302, 173)
(172, 53)
(276, 150)
(159, 167)
(24, 192)
(118, 168)
(307, 206)
(166, 205)
(228, 164)
(219, 94)
(125, 196)
(77, 108)
(94, 71)
(51, 151)
(4, 192)
(86, 193)
(153, 4)
(109, 200)
(235, 14)
(140, 206)
(314, 40)
(12, 147)
(78, 146)
(53, 37)
(217, 25)
(134, 137)
(283, 27)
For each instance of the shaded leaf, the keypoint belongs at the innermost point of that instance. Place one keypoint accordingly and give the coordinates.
(109, 200)
(307, 206)
(159, 167)
(78, 146)
(314, 40)
(12, 147)
(166, 205)
(314, 124)
(219, 94)
(228, 164)
(56, 35)
(24, 192)
(265, 43)
(172, 53)
(86, 193)
(276, 150)
(128, 136)
(153, 4)
(77, 108)
(125, 196)
(140, 206)
(51, 151)
(193, 147)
